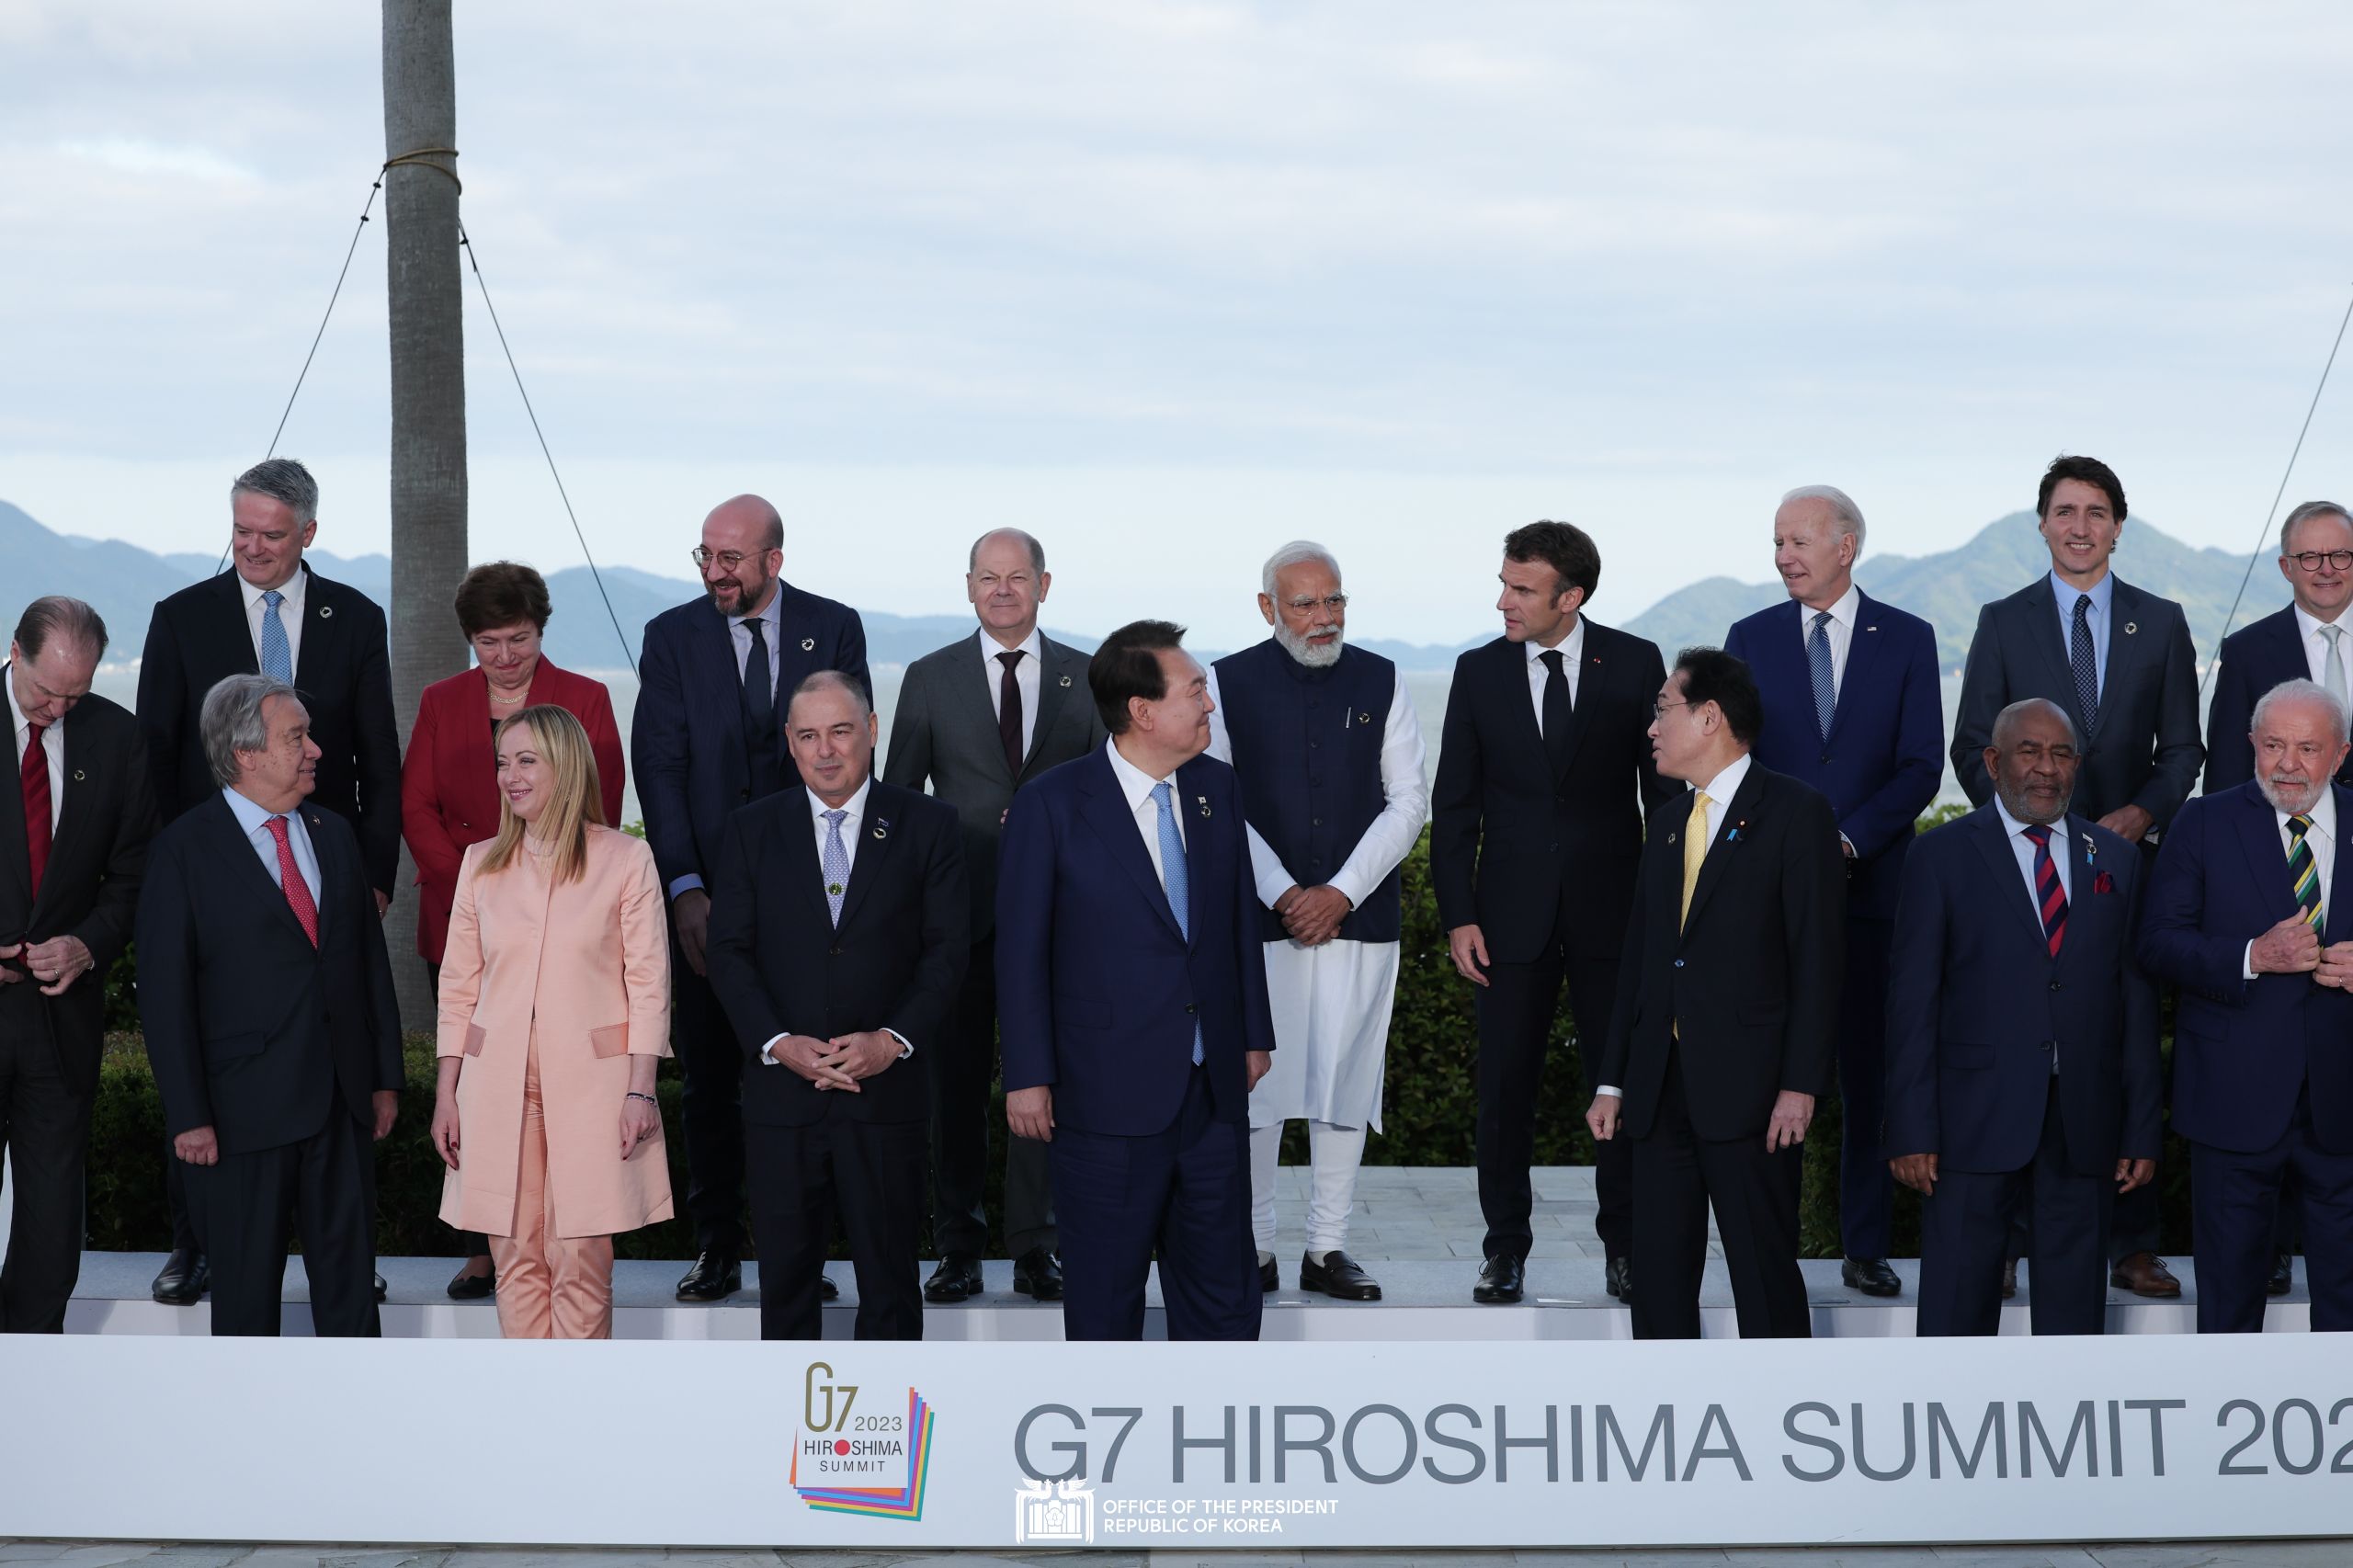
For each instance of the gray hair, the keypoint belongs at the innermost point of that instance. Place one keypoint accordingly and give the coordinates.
(2005, 722)
(2298, 691)
(281, 479)
(1037, 551)
(1843, 510)
(232, 722)
(1298, 553)
(831, 680)
(2305, 512)
(57, 615)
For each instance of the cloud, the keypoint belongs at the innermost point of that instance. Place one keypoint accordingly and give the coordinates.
(132, 156)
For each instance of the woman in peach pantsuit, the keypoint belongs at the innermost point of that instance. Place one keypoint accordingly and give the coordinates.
(555, 987)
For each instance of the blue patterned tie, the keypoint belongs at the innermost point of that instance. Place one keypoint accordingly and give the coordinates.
(277, 656)
(1817, 659)
(2086, 664)
(836, 864)
(1175, 879)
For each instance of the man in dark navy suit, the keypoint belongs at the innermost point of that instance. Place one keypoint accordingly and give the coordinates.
(1131, 1002)
(2022, 1040)
(1852, 708)
(2251, 914)
(707, 738)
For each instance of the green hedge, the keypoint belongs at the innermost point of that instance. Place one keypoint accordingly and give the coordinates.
(1430, 1118)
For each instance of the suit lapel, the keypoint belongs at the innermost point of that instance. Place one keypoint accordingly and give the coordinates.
(802, 867)
(1993, 837)
(1520, 708)
(2125, 605)
(2042, 633)
(244, 866)
(1057, 679)
(1733, 829)
(877, 836)
(72, 809)
(973, 704)
(1105, 809)
(2267, 857)
(2338, 919)
(15, 852)
(330, 874)
(1590, 676)
(715, 650)
(1862, 660)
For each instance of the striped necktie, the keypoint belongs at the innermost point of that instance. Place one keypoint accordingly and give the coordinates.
(2303, 873)
(2049, 895)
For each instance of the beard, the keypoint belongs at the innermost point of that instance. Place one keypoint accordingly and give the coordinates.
(2294, 799)
(1316, 658)
(2017, 802)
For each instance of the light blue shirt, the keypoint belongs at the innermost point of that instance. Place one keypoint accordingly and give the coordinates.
(256, 823)
(2101, 593)
(2022, 847)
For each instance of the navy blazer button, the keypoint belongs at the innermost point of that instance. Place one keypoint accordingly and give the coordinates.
(1315, 822)
(1678, 963)
(1188, 1008)
(835, 951)
(2054, 985)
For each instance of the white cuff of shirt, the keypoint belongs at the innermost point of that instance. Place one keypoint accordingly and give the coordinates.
(769, 1060)
(2246, 964)
(1610, 1089)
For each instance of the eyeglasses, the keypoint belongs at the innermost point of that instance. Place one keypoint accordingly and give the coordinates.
(2310, 559)
(1658, 710)
(703, 555)
(1333, 602)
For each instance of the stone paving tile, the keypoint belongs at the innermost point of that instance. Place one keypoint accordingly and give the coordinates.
(82, 1554)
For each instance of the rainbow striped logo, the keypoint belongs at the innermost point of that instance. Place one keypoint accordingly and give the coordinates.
(880, 1502)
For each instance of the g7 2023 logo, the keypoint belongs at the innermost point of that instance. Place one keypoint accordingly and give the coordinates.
(848, 1461)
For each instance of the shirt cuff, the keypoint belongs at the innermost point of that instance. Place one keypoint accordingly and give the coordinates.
(1850, 846)
(2246, 964)
(906, 1048)
(1610, 1089)
(686, 884)
(766, 1059)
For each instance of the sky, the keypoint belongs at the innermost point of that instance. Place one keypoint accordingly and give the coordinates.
(1170, 284)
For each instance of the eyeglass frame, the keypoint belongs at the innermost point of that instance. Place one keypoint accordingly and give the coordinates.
(2309, 561)
(702, 555)
(1335, 602)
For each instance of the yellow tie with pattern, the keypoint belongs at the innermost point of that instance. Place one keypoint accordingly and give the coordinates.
(1695, 847)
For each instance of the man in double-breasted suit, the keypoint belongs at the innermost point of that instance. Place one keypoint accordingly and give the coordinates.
(271, 615)
(71, 856)
(1851, 708)
(840, 925)
(2022, 1040)
(977, 720)
(2119, 661)
(1132, 986)
(266, 1002)
(707, 737)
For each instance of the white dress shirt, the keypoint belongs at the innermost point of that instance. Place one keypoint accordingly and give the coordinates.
(1572, 651)
(292, 593)
(2312, 633)
(2321, 839)
(1840, 632)
(771, 622)
(52, 746)
(256, 822)
(1027, 674)
(854, 817)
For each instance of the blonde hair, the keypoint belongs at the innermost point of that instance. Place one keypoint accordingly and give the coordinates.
(577, 802)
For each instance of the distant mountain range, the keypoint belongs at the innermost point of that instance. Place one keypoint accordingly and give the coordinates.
(124, 582)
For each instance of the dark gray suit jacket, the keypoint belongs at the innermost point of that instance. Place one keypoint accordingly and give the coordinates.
(2144, 752)
(944, 734)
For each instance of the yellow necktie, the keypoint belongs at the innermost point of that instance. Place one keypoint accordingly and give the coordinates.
(1695, 847)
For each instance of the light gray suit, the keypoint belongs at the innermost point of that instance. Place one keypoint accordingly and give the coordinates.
(944, 737)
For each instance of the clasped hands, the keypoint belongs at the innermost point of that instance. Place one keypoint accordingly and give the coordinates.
(2293, 947)
(839, 1062)
(59, 961)
(1312, 916)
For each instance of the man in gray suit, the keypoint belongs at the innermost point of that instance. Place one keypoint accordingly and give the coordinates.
(976, 720)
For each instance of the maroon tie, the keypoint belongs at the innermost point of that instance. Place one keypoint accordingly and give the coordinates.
(290, 877)
(1008, 713)
(34, 780)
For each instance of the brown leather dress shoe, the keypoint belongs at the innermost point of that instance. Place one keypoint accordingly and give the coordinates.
(2144, 1273)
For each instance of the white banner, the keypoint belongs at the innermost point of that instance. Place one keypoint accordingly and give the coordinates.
(848, 1445)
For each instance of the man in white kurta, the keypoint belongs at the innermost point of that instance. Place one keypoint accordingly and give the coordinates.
(1324, 740)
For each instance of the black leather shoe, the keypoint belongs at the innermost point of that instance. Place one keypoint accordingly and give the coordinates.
(1618, 1280)
(1872, 1276)
(1501, 1278)
(1270, 1278)
(183, 1280)
(465, 1287)
(1337, 1277)
(2283, 1275)
(956, 1279)
(381, 1290)
(826, 1289)
(715, 1277)
(1038, 1274)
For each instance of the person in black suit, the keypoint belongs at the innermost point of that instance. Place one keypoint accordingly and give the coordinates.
(71, 858)
(2022, 1065)
(1544, 772)
(266, 997)
(840, 927)
(704, 740)
(1726, 1006)
(271, 615)
(2118, 661)
(978, 720)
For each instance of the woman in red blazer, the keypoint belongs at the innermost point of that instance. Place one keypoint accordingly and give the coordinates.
(449, 780)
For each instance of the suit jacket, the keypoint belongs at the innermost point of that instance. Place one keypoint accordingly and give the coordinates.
(686, 739)
(1506, 832)
(251, 1030)
(1098, 992)
(449, 779)
(90, 890)
(779, 964)
(581, 972)
(2144, 752)
(1884, 757)
(2255, 658)
(2243, 1050)
(1751, 980)
(945, 731)
(199, 637)
(1977, 1004)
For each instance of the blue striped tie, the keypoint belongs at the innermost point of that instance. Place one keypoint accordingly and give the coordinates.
(277, 655)
(1817, 658)
(1175, 879)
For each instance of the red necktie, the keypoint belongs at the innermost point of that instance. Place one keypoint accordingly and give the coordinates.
(34, 780)
(290, 877)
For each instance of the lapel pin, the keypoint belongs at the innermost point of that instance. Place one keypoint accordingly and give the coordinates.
(808, 644)
(882, 827)
(1204, 801)
(2129, 628)
(326, 612)
(1065, 680)
(79, 776)
(1364, 718)
(1670, 839)
(1870, 629)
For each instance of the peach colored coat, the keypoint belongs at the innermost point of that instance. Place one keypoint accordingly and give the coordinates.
(587, 965)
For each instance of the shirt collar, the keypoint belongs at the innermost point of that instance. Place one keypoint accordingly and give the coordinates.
(1571, 648)
(1844, 611)
(2012, 827)
(289, 591)
(2099, 593)
(1034, 646)
(855, 806)
(1134, 783)
(2308, 625)
(2324, 815)
(769, 618)
(1726, 784)
(7, 674)
(250, 816)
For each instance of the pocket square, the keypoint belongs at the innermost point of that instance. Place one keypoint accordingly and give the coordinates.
(2104, 882)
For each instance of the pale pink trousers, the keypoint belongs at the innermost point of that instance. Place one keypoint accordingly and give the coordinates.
(550, 1286)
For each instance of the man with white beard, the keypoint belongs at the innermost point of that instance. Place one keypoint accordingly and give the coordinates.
(1324, 740)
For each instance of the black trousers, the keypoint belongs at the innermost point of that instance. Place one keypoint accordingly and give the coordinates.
(245, 1206)
(45, 1128)
(711, 1106)
(1678, 1177)
(868, 1173)
(2235, 1200)
(1515, 1011)
(1965, 1229)
(962, 1072)
(1866, 1191)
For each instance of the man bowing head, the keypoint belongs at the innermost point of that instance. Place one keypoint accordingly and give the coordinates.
(1133, 1002)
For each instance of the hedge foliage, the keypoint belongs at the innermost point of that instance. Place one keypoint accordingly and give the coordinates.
(1430, 1118)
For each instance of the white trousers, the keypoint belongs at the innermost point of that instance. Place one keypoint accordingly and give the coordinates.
(1334, 1154)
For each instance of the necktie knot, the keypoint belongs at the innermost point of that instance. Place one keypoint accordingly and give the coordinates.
(2039, 833)
(2332, 631)
(1161, 796)
(1552, 660)
(837, 818)
(34, 732)
(1009, 658)
(278, 829)
(2300, 825)
(1821, 620)
(273, 598)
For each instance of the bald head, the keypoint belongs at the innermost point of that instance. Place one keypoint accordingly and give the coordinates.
(751, 515)
(2007, 724)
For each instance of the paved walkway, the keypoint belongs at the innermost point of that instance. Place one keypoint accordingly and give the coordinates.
(1429, 1213)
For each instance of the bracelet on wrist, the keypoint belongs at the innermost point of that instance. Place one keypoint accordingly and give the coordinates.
(649, 1099)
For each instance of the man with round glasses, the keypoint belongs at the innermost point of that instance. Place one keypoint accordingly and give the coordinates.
(2311, 638)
